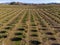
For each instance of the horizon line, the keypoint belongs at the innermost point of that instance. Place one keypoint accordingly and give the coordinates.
(30, 2)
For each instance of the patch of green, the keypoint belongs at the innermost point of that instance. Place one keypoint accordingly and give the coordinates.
(25, 18)
(33, 24)
(17, 43)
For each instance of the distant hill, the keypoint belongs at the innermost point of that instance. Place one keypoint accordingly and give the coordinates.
(20, 3)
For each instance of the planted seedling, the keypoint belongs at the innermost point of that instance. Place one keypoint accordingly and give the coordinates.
(35, 42)
(18, 33)
(52, 38)
(8, 27)
(16, 39)
(2, 31)
(3, 36)
(21, 29)
(34, 30)
(49, 33)
(34, 35)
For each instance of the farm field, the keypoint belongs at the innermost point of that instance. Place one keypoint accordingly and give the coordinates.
(29, 25)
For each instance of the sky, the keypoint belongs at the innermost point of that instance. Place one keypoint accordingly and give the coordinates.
(31, 1)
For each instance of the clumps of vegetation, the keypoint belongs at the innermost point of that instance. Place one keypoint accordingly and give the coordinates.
(8, 27)
(34, 30)
(21, 29)
(34, 35)
(49, 33)
(16, 39)
(18, 33)
(3, 36)
(52, 38)
(2, 31)
(35, 42)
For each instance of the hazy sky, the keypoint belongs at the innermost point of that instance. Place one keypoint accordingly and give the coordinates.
(31, 1)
